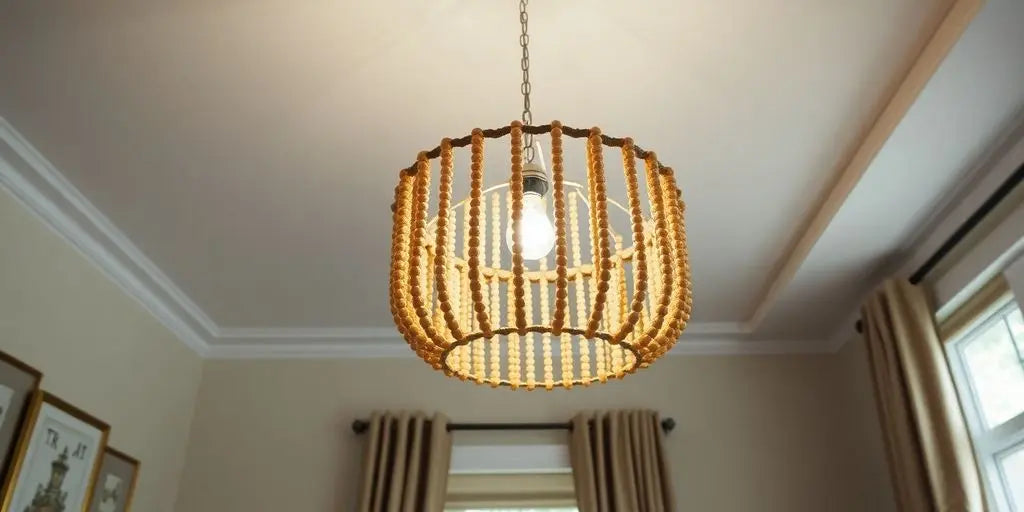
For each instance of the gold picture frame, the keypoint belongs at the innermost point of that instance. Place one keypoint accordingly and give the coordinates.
(53, 428)
(18, 384)
(108, 495)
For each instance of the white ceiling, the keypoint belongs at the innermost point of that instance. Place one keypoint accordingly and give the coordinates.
(249, 149)
(975, 97)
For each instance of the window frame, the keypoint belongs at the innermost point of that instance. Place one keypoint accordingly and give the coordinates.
(512, 508)
(991, 445)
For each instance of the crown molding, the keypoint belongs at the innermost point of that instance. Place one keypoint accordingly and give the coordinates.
(352, 348)
(35, 183)
(745, 347)
(724, 329)
(45, 184)
(305, 333)
(394, 346)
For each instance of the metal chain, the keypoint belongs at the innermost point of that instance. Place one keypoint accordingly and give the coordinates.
(524, 63)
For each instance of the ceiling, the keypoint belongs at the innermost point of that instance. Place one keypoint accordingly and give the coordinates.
(237, 159)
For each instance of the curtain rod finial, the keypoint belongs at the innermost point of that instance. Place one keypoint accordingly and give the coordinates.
(360, 426)
(668, 425)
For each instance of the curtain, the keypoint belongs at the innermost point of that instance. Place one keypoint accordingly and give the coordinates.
(406, 465)
(926, 438)
(618, 462)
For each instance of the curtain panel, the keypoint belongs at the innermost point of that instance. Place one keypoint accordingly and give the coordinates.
(927, 443)
(619, 463)
(406, 463)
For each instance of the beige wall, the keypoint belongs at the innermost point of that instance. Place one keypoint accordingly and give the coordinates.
(765, 433)
(98, 348)
(865, 457)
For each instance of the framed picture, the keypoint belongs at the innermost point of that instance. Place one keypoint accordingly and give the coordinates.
(115, 484)
(56, 460)
(18, 382)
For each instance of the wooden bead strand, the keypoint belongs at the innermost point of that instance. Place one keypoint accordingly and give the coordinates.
(515, 371)
(601, 243)
(580, 287)
(454, 315)
(466, 316)
(639, 260)
(545, 338)
(477, 226)
(479, 289)
(661, 298)
(614, 309)
(495, 376)
(416, 252)
(530, 366)
(516, 188)
(400, 299)
(561, 254)
(445, 242)
(683, 301)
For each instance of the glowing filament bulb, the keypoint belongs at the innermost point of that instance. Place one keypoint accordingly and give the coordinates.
(536, 231)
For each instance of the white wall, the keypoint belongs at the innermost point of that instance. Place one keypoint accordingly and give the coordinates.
(98, 348)
(760, 433)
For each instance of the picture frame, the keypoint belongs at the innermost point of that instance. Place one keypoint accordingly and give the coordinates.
(56, 460)
(18, 383)
(115, 482)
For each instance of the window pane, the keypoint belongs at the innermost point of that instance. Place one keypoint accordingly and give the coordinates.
(1016, 321)
(996, 369)
(1012, 468)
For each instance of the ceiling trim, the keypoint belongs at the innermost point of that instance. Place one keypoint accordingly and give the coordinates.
(305, 333)
(43, 190)
(50, 184)
(348, 333)
(37, 185)
(928, 61)
(393, 346)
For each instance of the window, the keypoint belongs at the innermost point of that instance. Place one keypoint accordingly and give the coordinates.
(510, 477)
(527, 492)
(987, 362)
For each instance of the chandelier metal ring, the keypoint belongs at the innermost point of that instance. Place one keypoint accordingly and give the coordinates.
(576, 133)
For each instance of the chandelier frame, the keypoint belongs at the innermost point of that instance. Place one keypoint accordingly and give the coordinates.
(437, 335)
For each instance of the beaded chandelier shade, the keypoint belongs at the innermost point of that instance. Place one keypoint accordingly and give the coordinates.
(490, 289)
(593, 317)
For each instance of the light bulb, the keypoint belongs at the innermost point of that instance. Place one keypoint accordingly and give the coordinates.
(535, 228)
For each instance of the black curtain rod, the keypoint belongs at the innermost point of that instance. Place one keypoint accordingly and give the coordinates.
(964, 229)
(361, 426)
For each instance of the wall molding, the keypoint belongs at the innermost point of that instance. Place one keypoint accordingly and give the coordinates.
(35, 183)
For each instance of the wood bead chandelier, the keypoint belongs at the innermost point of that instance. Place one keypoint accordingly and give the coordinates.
(475, 293)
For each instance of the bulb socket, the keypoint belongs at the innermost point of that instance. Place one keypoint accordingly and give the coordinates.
(535, 180)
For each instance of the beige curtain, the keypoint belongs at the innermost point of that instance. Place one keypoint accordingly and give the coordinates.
(928, 446)
(406, 465)
(619, 464)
